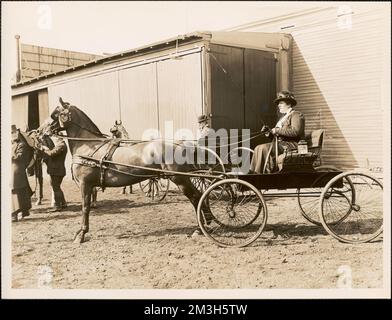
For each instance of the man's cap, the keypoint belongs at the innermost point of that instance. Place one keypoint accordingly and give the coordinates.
(202, 118)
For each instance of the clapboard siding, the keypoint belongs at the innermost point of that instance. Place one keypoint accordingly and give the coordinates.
(337, 72)
(338, 76)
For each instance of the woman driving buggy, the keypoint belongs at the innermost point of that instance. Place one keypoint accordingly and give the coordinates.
(288, 131)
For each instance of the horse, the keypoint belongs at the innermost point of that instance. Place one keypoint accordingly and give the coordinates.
(118, 132)
(85, 139)
(39, 137)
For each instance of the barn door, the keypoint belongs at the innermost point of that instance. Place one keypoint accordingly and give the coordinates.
(43, 105)
(227, 86)
(260, 90)
(20, 107)
(33, 111)
(243, 87)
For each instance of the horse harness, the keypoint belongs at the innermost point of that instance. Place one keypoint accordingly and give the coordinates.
(112, 146)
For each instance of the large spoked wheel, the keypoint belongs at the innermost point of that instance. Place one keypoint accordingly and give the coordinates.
(308, 199)
(364, 221)
(232, 213)
(215, 167)
(155, 189)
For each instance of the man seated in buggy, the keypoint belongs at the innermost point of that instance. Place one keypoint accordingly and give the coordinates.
(288, 131)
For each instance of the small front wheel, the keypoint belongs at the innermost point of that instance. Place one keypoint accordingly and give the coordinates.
(232, 213)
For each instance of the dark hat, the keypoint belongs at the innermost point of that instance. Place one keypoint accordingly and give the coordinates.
(13, 128)
(29, 140)
(202, 118)
(285, 96)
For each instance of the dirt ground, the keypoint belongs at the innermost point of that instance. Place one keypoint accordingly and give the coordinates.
(135, 244)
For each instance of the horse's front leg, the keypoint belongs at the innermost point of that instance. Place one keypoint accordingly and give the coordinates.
(194, 196)
(86, 191)
(94, 195)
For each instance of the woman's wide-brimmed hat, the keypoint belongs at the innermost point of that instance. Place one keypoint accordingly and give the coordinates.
(287, 97)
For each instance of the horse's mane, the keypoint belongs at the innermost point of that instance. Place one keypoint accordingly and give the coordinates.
(85, 120)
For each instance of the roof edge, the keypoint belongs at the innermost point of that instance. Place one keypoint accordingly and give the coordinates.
(181, 39)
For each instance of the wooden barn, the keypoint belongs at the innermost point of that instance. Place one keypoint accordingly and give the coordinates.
(231, 75)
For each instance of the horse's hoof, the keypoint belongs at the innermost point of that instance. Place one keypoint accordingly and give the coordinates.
(76, 234)
(79, 238)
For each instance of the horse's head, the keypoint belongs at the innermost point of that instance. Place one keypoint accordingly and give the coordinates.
(61, 117)
(115, 129)
(118, 130)
(41, 136)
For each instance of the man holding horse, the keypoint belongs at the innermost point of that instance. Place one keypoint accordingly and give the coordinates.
(54, 159)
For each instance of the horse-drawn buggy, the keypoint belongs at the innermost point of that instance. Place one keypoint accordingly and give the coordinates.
(231, 205)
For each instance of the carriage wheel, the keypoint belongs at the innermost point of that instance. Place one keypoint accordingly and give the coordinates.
(364, 222)
(217, 168)
(232, 213)
(155, 189)
(308, 199)
(202, 184)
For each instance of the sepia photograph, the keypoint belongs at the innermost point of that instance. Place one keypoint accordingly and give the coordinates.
(195, 150)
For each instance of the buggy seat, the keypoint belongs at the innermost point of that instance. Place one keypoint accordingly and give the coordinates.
(291, 160)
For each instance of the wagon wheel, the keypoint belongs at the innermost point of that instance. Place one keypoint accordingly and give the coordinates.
(365, 219)
(215, 168)
(155, 189)
(308, 199)
(232, 213)
(200, 183)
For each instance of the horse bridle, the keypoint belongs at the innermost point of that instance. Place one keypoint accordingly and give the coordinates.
(65, 116)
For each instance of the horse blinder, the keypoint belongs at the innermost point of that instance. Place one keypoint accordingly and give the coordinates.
(65, 116)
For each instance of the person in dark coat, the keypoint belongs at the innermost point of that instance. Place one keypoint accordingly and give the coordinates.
(21, 192)
(36, 168)
(289, 130)
(55, 159)
(47, 142)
